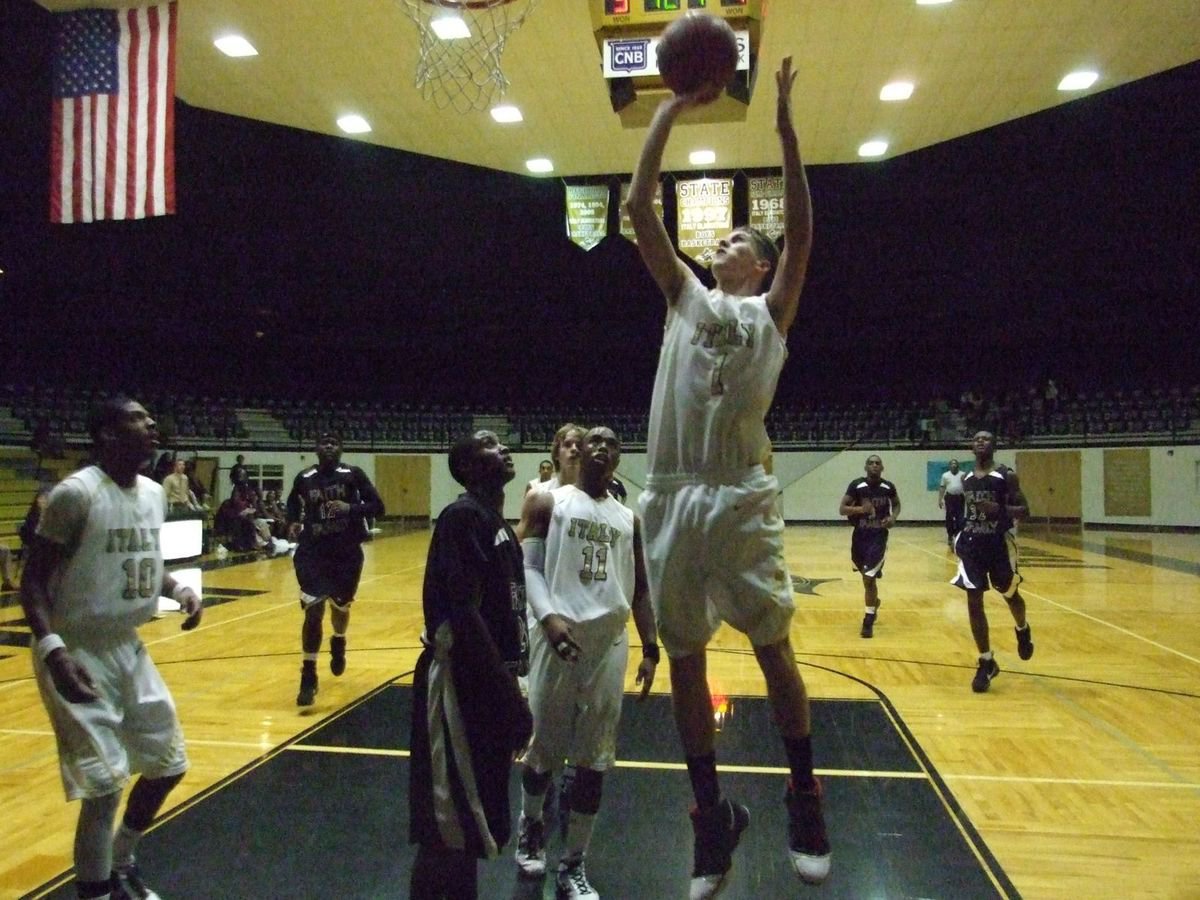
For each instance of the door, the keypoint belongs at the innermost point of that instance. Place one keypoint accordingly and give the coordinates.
(403, 483)
(1051, 482)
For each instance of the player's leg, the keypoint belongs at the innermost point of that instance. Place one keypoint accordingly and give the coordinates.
(1006, 578)
(94, 845)
(311, 633)
(339, 621)
(345, 570)
(808, 843)
(550, 704)
(571, 880)
(145, 800)
(987, 668)
(866, 552)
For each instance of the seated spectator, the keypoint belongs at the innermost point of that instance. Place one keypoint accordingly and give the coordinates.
(6, 569)
(194, 485)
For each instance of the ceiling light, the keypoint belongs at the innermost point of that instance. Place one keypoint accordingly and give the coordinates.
(450, 27)
(506, 114)
(897, 90)
(354, 124)
(539, 166)
(702, 157)
(235, 45)
(1077, 81)
(873, 148)
(931, 2)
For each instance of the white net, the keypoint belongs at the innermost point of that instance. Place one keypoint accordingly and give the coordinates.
(464, 73)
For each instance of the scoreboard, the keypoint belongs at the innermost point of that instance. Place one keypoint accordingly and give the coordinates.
(627, 34)
(631, 11)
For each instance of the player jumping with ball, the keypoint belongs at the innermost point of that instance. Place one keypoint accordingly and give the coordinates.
(713, 533)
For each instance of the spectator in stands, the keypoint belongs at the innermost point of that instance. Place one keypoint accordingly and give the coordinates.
(1050, 396)
(238, 473)
(180, 498)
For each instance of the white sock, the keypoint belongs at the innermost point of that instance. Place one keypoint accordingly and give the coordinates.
(531, 805)
(871, 610)
(987, 655)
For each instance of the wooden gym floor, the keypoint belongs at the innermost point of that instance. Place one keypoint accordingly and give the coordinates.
(1077, 775)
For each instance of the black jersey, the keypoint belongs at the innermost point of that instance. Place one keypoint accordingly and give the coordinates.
(315, 488)
(993, 486)
(882, 496)
(474, 552)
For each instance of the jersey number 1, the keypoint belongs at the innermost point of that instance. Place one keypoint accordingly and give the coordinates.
(594, 561)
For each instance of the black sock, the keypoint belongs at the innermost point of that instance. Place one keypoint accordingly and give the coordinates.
(703, 772)
(800, 760)
(87, 889)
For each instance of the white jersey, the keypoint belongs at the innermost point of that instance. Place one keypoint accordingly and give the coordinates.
(112, 576)
(551, 484)
(717, 371)
(589, 556)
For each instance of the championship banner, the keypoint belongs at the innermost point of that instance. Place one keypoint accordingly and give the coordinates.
(705, 210)
(766, 205)
(626, 225)
(587, 214)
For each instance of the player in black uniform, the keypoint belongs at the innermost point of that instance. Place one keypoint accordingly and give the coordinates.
(469, 718)
(326, 511)
(872, 506)
(987, 551)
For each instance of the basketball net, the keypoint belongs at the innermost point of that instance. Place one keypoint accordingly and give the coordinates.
(465, 73)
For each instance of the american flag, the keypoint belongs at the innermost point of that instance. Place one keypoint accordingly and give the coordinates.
(112, 148)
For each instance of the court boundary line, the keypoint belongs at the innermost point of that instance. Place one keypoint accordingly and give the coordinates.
(1078, 612)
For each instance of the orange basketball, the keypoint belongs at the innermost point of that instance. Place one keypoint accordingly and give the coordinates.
(695, 51)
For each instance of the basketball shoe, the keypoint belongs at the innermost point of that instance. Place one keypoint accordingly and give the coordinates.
(988, 669)
(808, 845)
(308, 684)
(868, 625)
(126, 883)
(572, 882)
(717, 832)
(1025, 642)
(531, 847)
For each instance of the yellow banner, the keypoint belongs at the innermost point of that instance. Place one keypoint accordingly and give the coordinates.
(626, 225)
(587, 214)
(705, 211)
(766, 205)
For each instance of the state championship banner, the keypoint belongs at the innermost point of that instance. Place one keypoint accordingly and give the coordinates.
(766, 205)
(626, 224)
(112, 144)
(587, 214)
(705, 213)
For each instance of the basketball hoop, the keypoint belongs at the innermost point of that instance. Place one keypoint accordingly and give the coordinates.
(464, 72)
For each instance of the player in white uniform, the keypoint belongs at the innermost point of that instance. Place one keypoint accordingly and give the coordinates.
(545, 473)
(584, 576)
(564, 454)
(94, 574)
(714, 548)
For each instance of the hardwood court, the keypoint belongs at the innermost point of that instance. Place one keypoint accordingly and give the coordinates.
(1078, 774)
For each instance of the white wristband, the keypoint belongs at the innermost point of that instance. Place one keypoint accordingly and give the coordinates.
(48, 645)
(177, 591)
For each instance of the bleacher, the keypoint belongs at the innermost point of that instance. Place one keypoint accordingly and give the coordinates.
(48, 417)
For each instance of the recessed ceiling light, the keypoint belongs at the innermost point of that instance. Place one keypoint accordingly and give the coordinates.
(873, 148)
(354, 124)
(931, 2)
(450, 27)
(539, 166)
(506, 114)
(702, 157)
(897, 90)
(1077, 81)
(235, 45)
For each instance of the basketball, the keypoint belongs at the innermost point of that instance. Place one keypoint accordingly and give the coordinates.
(697, 50)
